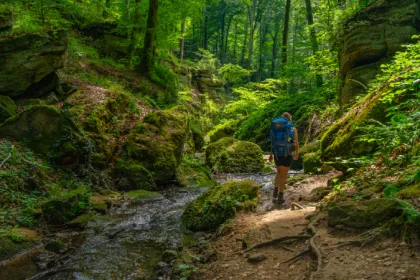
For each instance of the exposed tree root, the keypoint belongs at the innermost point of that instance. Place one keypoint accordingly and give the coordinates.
(276, 241)
(314, 247)
(292, 259)
(296, 206)
(4, 161)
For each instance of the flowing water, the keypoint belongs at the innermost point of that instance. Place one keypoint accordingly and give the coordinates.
(132, 239)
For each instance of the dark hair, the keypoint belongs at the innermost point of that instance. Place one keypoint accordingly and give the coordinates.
(288, 116)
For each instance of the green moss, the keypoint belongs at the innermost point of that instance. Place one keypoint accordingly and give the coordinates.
(312, 163)
(66, 206)
(410, 192)
(8, 248)
(100, 206)
(193, 173)
(232, 156)
(142, 194)
(133, 176)
(219, 204)
(364, 214)
(81, 221)
(7, 108)
(158, 143)
(46, 131)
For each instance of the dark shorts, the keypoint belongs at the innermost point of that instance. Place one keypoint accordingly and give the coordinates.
(283, 161)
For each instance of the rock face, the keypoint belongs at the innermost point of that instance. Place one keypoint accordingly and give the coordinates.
(366, 214)
(47, 131)
(219, 204)
(6, 17)
(371, 38)
(7, 108)
(229, 155)
(28, 59)
(208, 83)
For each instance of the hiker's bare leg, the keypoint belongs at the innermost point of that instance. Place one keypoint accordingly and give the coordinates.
(281, 177)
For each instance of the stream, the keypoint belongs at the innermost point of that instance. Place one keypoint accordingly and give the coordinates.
(131, 239)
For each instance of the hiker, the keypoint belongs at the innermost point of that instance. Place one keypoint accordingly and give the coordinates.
(284, 142)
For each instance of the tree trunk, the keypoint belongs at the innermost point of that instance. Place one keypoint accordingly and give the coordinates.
(275, 50)
(206, 29)
(244, 45)
(226, 47)
(136, 29)
(235, 44)
(315, 48)
(251, 15)
(222, 21)
(182, 42)
(107, 7)
(285, 34)
(127, 7)
(147, 63)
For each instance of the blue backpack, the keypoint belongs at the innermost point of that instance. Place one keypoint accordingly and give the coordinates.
(282, 137)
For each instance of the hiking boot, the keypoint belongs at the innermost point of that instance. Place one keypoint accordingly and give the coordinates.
(280, 199)
(275, 194)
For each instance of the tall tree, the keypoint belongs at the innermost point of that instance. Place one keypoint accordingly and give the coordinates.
(147, 62)
(314, 42)
(275, 38)
(285, 33)
(182, 42)
(136, 29)
(252, 9)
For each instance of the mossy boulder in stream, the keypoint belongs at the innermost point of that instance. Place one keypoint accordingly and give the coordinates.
(47, 131)
(312, 163)
(134, 176)
(157, 143)
(7, 108)
(229, 155)
(67, 206)
(364, 214)
(218, 204)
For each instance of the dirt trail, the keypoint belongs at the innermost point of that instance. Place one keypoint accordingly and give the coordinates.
(385, 259)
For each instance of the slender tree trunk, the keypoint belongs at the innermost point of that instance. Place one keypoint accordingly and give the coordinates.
(235, 43)
(275, 49)
(226, 47)
(251, 14)
(182, 42)
(206, 29)
(147, 63)
(136, 29)
(244, 45)
(295, 29)
(315, 48)
(222, 21)
(285, 34)
(127, 7)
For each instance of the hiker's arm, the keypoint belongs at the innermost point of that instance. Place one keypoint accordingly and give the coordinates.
(296, 143)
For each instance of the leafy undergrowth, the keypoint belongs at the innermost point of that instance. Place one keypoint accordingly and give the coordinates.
(26, 183)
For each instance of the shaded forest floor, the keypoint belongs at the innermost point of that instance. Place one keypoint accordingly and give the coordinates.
(342, 255)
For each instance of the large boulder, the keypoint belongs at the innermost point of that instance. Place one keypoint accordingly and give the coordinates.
(229, 155)
(47, 131)
(157, 143)
(371, 38)
(7, 108)
(219, 204)
(28, 59)
(364, 214)
(208, 83)
(6, 17)
(65, 207)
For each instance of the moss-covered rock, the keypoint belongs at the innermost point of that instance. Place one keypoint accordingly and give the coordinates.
(158, 142)
(312, 163)
(9, 248)
(229, 155)
(7, 108)
(192, 173)
(219, 204)
(83, 220)
(410, 192)
(133, 176)
(27, 59)
(49, 132)
(6, 17)
(142, 194)
(65, 207)
(364, 214)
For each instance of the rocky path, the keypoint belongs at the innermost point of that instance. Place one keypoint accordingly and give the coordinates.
(342, 258)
